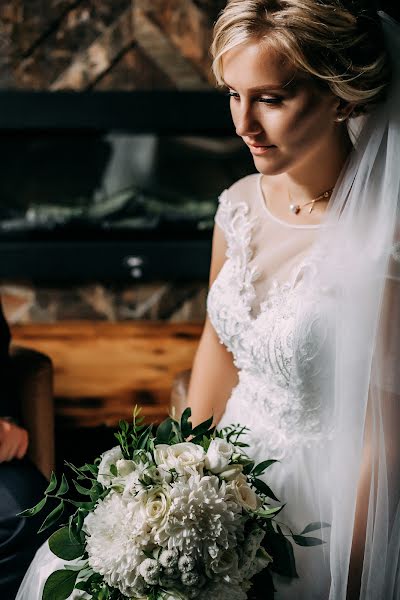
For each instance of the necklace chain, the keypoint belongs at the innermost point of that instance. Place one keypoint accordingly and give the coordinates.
(296, 208)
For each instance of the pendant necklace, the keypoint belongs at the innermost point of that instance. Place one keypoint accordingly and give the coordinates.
(296, 208)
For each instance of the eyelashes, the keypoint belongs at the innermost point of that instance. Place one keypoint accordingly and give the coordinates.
(276, 100)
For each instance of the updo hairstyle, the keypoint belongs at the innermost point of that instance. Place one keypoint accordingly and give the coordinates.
(339, 43)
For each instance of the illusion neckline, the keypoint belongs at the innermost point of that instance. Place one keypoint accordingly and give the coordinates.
(277, 219)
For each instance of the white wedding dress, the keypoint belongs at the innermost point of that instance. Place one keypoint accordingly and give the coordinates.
(259, 308)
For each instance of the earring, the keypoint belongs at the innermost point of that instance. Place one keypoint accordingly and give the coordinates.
(340, 118)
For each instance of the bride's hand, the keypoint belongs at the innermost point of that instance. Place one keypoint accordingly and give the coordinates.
(13, 441)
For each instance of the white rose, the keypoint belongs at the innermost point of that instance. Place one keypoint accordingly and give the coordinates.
(181, 457)
(107, 459)
(218, 455)
(161, 453)
(231, 472)
(125, 467)
(243, 493)
(157, 507)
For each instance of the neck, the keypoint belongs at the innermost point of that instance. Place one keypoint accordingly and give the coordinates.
(320, 171)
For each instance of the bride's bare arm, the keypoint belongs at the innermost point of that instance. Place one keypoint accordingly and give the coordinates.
(213, 372)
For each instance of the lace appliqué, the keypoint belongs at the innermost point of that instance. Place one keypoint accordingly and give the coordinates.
(280, 353)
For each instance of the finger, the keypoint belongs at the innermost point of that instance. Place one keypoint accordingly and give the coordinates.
(5, 450)
(23, 447)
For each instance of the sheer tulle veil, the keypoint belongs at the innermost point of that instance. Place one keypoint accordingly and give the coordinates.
(357, 275)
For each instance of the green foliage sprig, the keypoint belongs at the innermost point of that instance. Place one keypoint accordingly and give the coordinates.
(137, 441)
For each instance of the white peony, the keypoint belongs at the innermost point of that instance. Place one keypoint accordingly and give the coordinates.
(111, 529)
(219, 454)
(107, 459)
(202, 516)
(184, 457)
(243, 493)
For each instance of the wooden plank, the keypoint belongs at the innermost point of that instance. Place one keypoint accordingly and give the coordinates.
(90, 64)
(163, 53)
(188, 28)
(134, 71)
(81, 26)
(102, 369)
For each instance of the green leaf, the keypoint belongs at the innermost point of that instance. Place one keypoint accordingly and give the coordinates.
(307, 541)
(164, 431)
(144, 438)
(314, 527)
(270, 512)
(62, 546)
(60, 585)
(82, 490)
(113, 470)
(52, 517)
(262, 487)
(203, 427)
(281, 549)
(52, 485)
(248, 467)
(64, 487)
(29, 512)
(263, 466)
(186, 425)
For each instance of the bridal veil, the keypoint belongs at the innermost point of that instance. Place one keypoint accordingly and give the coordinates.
(356, 478)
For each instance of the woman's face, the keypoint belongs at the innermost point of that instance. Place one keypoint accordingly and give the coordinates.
(283, 117)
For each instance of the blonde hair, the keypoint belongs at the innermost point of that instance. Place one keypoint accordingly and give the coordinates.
(340, 48)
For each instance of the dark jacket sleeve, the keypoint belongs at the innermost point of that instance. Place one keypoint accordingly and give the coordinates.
(7, 402)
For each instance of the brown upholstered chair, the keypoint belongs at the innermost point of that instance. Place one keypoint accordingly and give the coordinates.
(32, 374)
(179, 392)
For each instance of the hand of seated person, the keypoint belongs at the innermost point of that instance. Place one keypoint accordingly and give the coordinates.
(13, 441)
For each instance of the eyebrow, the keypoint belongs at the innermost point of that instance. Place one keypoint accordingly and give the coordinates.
(265, 88)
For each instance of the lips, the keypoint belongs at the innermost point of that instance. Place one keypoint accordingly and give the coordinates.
(258, 150)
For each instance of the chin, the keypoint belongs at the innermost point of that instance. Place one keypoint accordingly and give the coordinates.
(269, 167)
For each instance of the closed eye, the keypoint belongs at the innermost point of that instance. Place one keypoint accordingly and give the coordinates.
(276, 100)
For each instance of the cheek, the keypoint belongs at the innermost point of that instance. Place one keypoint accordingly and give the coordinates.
(306, 124)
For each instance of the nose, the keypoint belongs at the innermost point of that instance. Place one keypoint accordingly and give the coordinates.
(245, 121)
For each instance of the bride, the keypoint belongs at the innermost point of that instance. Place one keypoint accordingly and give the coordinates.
(300, 340)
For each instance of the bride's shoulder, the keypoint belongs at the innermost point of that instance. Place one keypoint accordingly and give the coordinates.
(240, 192)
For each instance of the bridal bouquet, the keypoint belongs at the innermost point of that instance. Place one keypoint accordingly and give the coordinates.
(173, 515)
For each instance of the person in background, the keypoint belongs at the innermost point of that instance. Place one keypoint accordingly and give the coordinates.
(21, 484)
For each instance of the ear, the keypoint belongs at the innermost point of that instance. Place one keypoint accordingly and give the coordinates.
(343, 110)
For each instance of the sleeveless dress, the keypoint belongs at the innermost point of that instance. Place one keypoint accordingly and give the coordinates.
(266, 319)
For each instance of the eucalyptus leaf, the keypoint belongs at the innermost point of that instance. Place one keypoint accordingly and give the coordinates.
(82, 490)
(52, 485)
(314, 527)
(248, 467)
(264, 489)
(186, 425)
(29, 512)
(270, 512)
(263, 466)
(64, 486)
(52, 517)
(203, 427)
(62, 546)
(301, 540)
(60, 585)
(164, 431)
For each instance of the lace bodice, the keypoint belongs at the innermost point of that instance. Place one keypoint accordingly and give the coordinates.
(280, 348)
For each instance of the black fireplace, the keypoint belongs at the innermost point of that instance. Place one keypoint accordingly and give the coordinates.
(113, 185)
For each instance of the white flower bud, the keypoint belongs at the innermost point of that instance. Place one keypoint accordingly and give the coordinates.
(186, 563)
(150, 571)
(190, 578)
(169, 558)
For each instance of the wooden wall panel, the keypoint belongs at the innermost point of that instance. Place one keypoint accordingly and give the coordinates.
(102, 369)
